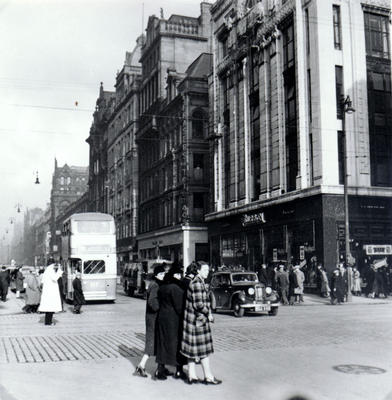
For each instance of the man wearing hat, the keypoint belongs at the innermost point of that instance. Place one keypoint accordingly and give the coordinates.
(283, 280)
(152, 308)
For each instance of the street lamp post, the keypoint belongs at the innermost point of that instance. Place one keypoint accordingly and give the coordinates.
(346, 105)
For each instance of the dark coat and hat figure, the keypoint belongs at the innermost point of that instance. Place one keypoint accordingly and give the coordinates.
(152, 308)
(78, 296)
(338, 288)
(169, 322)
(19, 282)
(5, 280)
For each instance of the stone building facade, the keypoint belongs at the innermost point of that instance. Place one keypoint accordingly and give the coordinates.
(122, 155)
(98, 187)
(69, 183)
(172, 137)
(281, 69)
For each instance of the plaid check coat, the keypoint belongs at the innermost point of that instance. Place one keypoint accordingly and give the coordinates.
(197, 338)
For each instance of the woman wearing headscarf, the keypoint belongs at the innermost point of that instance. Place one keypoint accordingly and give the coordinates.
(152, 308)
(197, 338)
(33, 293)
(50, 297)
(169, 323)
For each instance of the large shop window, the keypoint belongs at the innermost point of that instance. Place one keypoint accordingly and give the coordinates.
(233, 247)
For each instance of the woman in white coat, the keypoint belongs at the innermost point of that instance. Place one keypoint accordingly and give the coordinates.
(50, 298)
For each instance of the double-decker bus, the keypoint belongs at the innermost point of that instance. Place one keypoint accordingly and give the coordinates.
(89, 246)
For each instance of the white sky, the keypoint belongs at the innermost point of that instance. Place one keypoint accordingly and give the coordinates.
(52, 54)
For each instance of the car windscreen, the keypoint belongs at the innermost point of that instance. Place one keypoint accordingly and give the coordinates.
(244, 278)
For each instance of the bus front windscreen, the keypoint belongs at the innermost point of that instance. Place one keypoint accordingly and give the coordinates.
(93, 226)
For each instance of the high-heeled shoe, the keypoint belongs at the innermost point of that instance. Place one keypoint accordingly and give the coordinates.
(167, 372)
(180, 375)
(213, 381)
(191, 381)
(160, 376)
(141, 372)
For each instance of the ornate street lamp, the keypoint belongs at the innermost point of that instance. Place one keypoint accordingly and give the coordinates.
(347, 108)
(37, 182)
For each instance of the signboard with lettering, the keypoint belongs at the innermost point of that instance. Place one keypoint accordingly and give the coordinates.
(251, 219)
(378, 249)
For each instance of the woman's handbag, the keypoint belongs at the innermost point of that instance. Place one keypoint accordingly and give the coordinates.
(200, 320)
(297, 290)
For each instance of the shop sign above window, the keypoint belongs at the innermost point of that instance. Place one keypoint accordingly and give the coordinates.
(382, 249)
(252, 219)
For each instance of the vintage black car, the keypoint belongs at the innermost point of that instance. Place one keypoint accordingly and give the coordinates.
(240, 292)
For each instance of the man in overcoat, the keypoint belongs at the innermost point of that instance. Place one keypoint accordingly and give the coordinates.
(282, 277)
(78, 296)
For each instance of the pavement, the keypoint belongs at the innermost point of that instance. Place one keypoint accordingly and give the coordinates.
(319, 353)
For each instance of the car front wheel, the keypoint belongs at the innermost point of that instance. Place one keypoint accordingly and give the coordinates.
(238, 310)
(274, 311)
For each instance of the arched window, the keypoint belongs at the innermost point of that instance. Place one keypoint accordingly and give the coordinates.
(198, 124)
(61, 180)
(69, 180)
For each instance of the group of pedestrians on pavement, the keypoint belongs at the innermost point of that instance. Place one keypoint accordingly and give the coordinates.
(178, 317)
(376, 281)
(43, 290)
(289, 282)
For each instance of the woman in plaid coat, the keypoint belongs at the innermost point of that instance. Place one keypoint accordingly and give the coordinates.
(197, 338)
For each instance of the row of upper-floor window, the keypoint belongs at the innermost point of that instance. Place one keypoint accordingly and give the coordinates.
(118, 151)
(153, 149)
(128, 114)
(171, 175)
(150, 61)
(67, 180)
(172, 210)
(376, 35)
(149, 93)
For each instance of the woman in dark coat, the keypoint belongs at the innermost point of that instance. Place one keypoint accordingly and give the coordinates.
(19, 282)
(169, 322)
(78, 296)
(337, 287)
(152, 308)
(197, 338)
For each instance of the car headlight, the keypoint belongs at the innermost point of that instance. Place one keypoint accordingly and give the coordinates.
(268, 290)
(251, 291)
(241, 296)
